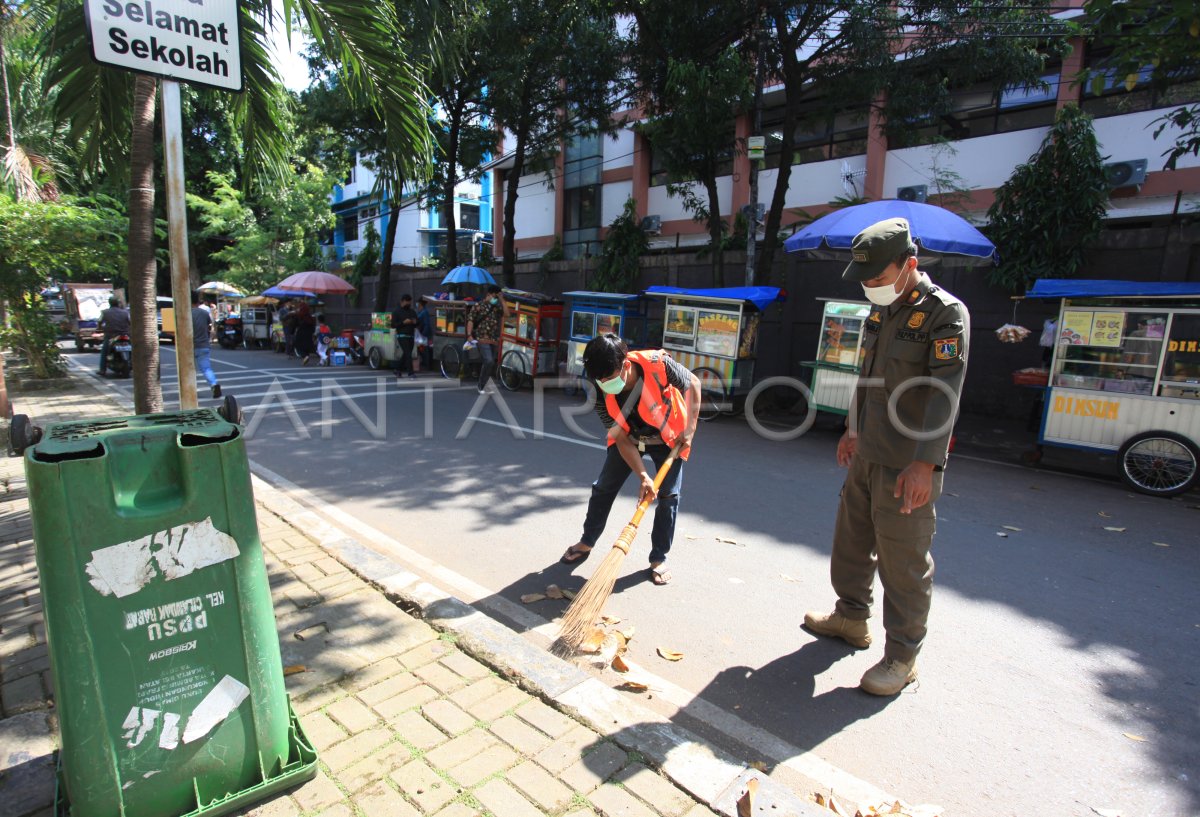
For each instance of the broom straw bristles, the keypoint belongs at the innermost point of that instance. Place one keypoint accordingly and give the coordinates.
(585, 609)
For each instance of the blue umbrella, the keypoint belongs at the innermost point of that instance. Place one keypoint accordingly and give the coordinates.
(951, 237)
(277, 292)
(466, 274)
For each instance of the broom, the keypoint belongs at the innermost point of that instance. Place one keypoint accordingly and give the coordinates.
(587, 606)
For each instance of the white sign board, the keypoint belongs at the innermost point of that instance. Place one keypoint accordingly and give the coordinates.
(194, 41)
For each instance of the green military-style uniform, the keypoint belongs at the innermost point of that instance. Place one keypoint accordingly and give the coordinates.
(915, 362)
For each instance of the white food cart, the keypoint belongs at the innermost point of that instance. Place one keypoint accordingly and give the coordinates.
(839, 354)
(1125, 377)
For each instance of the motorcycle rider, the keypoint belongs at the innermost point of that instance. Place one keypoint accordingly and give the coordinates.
(114, 321)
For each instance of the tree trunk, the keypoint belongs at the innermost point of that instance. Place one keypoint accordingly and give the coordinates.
(448, 185)
(140, 270)
(383, 284)
(513, 180)
(791, 112)
(714, 230)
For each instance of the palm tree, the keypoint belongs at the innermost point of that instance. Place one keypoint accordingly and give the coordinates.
(97, 102)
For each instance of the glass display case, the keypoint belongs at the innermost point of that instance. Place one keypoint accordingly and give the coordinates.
(600, 313)
(839, 354)
(529, 337)
(1111, 349)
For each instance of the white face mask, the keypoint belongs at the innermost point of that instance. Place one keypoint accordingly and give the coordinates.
(885, 295)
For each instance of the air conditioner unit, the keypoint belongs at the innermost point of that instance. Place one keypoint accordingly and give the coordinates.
(760, 210)
(652, 225)
(1126, 174)
(916, 192)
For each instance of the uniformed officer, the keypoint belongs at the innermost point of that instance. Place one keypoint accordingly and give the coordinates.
(895, 445)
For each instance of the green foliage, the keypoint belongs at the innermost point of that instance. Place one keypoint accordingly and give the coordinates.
(268, 238)
(1052, 207)
(44, 241)
(555, 253)
(366, 263)
(31, 334)
(623, 248)
(1164, 37)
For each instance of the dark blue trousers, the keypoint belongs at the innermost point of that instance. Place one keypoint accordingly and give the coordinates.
(608, 484)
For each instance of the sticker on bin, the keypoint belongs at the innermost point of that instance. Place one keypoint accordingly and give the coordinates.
(218, 704)
(124, 569)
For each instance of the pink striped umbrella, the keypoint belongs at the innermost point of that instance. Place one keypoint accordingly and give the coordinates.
(323, 283)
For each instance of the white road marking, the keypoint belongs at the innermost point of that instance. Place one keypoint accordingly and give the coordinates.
(539, 434)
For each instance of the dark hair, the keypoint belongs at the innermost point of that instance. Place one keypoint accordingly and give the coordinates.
(493, 289)
(114, 301)
(195, 297)
(405, 297)
(321, 317)
(903, 257)
(603, 356)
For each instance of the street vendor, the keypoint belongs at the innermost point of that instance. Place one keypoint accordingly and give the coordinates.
(895, 446)
(648, 403)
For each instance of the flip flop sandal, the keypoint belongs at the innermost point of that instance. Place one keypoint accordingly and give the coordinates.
(660, 576)
(580, 555)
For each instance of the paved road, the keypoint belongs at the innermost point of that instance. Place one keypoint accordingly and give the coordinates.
(1060, 674)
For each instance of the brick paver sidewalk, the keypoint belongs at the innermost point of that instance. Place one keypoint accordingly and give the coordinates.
(405, 721)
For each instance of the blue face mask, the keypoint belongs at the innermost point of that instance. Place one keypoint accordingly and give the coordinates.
(495, 301)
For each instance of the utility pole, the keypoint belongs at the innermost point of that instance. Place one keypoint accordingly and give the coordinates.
(755, 142)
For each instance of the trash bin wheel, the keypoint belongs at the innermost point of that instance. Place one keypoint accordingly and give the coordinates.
(450, 361)
(231, 411)
(375, 358)
(22, 433)
(1159, 463)
(512, 370)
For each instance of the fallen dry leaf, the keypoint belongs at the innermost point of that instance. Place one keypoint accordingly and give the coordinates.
(569, 595)
(787, 578)
(833, 805)
(730, 541)
(633, 686)
(607, 619)
(692, 537)
(1106, 812)
(1161, 544)
(745, 804)
(670, 655)
(294, 669)
(760, 765)
(1138, 738)
(627, 633)
(1002, 534)
(553, 592)
(530, 598)
(612, 646)
(1104, 514)
(618, 664)
(1011, 527)
(1118, 530)
(592, 641)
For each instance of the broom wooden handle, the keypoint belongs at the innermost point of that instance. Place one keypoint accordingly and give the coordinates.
(625, 540)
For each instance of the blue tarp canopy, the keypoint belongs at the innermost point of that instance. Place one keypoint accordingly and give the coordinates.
(580, 294)
(761, 297)
(276, 292)
(1075, 288)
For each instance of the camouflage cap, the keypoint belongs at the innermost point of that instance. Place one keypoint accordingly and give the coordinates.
(876, 247)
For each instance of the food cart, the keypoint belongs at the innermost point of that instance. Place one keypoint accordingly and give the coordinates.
(380, 343)
(257, 313)
(839, 355)
(529, 337)
(591, 314)
(1125, 377)
(449, 332)
(714, 332)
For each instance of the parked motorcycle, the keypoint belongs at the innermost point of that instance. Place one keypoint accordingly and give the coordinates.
(229, 334)
(120, 356)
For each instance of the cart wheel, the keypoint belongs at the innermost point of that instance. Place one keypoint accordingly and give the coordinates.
(713, 397)
(512, 370)
(246, 341)
(375, 358)
(450, 362)
(230, 410)
(22, 433)
(1159, 463)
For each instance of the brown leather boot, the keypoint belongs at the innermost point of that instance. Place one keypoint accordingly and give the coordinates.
(853, 632)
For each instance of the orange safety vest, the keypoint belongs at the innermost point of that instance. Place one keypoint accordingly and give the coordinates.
(661, 405)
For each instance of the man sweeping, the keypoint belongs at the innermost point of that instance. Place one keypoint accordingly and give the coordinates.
(648, 402)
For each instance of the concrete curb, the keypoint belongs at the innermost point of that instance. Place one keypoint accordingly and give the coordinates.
(708, 774)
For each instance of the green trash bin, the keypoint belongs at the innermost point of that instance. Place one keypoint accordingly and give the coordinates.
(167, 674)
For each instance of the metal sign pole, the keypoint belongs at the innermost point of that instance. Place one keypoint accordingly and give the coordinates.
(181, 289)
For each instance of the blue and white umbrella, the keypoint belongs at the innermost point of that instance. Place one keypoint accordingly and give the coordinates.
(467, 274)
(937, 231)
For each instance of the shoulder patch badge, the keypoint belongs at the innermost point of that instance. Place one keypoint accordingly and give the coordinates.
(916, 319)
(874, 318)
(945, 348)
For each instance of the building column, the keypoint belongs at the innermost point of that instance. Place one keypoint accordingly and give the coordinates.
(1068, 88)
(877, 149)
(499, 191)
(641, 174)
(560, 164)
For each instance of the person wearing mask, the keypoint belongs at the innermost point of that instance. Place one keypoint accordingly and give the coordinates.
(202, 326)
(648, 403)
(404, 322)
(895, 447)
(423, 337)
(483, 325)
(113, 321)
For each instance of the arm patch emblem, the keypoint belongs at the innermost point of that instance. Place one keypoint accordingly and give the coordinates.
(945, 348)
